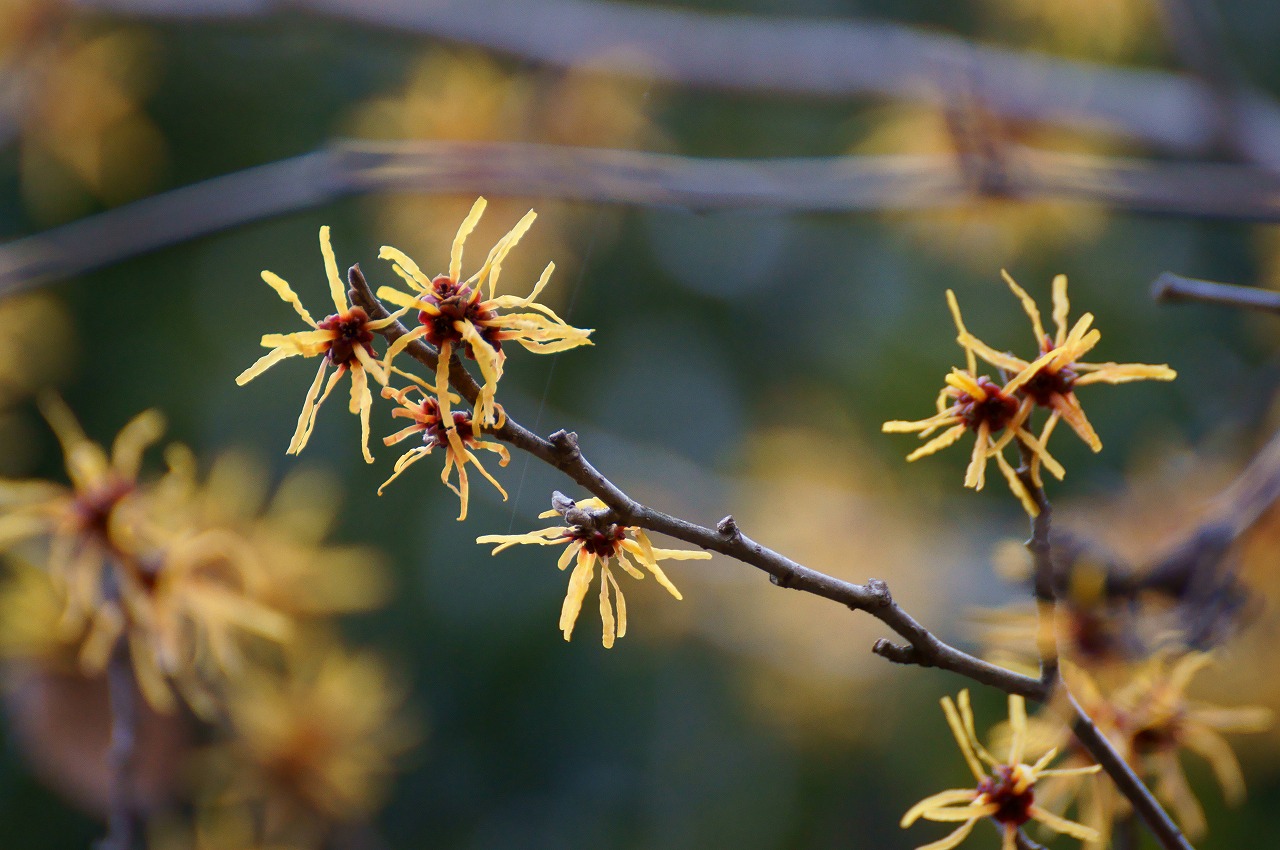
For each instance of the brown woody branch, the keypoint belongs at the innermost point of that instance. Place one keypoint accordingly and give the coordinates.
(922, 647)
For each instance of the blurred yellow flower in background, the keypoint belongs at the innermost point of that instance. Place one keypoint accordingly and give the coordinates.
(1109, 29)
(1159, 721)
(456, 95)
(314, 742)
(984, 230)
(85, 136)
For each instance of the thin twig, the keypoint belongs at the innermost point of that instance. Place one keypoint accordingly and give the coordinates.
(1124, 833)
(123, 697)
(1042, 574)
(1173, 287)
(827, 57)
(828, 184)
(923, 648)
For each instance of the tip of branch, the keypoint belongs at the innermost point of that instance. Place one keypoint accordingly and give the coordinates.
(1163, 286)
(561, 503)
(891, 651)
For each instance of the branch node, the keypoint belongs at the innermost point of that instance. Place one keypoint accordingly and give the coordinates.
(565, 443)
(879, 591)
(728, 527)
(898, 654)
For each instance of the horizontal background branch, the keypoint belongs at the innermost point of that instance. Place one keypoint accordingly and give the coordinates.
(802, 56)
(832, 184)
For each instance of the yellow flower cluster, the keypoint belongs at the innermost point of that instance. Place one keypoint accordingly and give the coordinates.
(457, 316)
(997, 412)
(221, 596)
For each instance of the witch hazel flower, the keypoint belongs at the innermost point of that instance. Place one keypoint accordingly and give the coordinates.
(1052, 379)
(343, 340)
(589, 539)
(994, 413)
(1005, 790)
(440, 432)
(457, 315)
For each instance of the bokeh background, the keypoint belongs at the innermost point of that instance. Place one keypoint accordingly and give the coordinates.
(743, 363)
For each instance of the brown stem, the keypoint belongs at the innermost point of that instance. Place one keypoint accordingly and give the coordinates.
(121, 750)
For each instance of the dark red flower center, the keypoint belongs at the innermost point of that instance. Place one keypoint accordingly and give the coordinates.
(352, 328)
(93, 508)
(434, 432)
(996, 409)
(1157, 737)
(1046, 384)
(1001, 788)
(602, 542)
(454, 301)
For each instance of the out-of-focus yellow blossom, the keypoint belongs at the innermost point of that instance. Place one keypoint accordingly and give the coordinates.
(1006, 794)
(455, 314)
(95, 521)
(313, 744)
(1097, 28)
(59, 714)
(301, 573)
(83, 127)
(343, 339)
(429, 421)
(1050, 380)
(587, 543)
(34, 349)
(188, 617)
(1158, 721)
(454, 95)
(985, 229)
(32, 627)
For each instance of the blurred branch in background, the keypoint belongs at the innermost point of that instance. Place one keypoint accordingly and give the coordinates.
(799, 56)
(1173, 287)
(829, 184)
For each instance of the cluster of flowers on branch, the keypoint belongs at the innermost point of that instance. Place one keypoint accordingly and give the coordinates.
(998, 412)
(219, 605)
(466, 317)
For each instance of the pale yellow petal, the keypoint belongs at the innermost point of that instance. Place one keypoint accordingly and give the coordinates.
(951, 840)
(264, 363)
(1028, 305)
(606, 611)
(337, 289)
(579, 581)
(464, 230)
(287, 295)
(934, 801)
